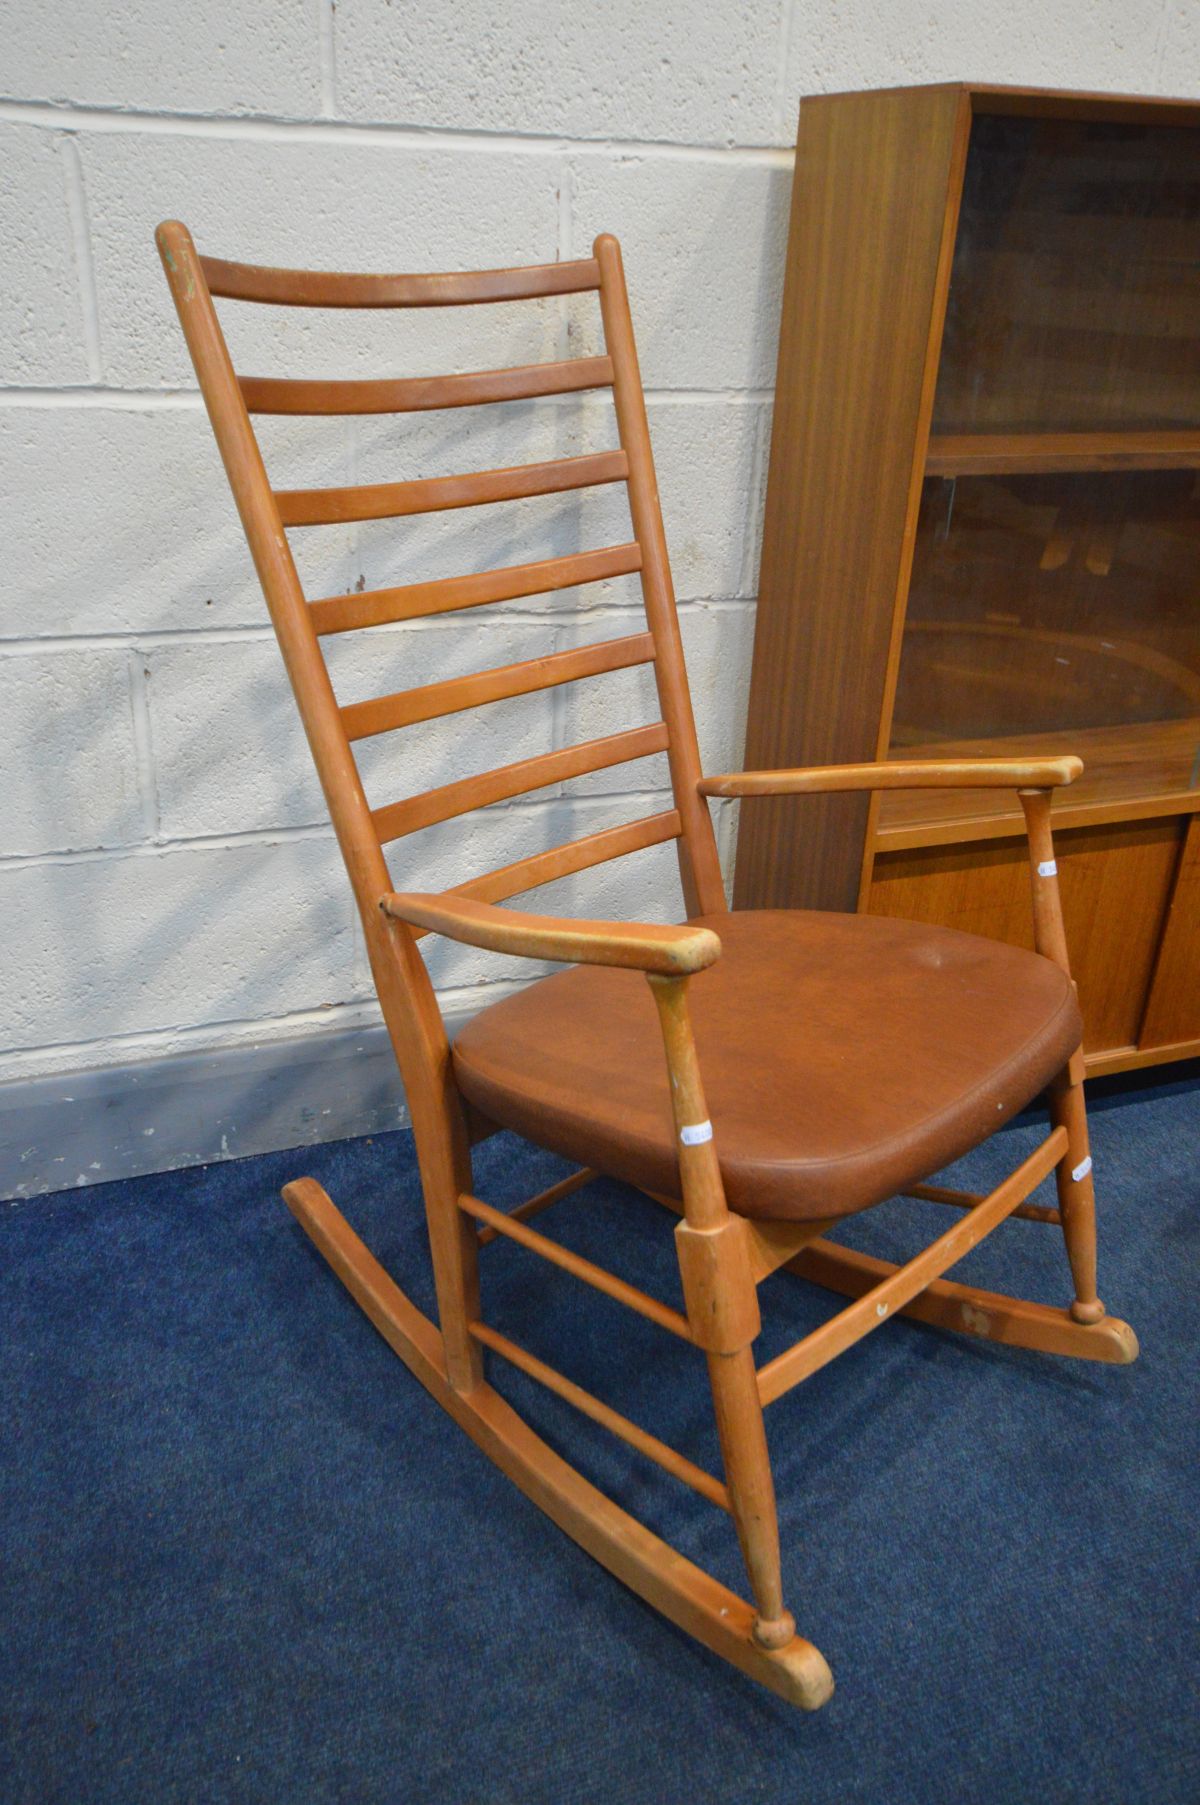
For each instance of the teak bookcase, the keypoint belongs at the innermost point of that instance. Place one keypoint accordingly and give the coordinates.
(982, 527)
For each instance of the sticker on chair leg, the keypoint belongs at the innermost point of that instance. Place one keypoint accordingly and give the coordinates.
(1048, 868)
(697, 1134)
(1082, 1169)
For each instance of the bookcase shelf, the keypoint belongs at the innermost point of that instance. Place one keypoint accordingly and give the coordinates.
(982, 530)
(1014, 453)
(1128, 774)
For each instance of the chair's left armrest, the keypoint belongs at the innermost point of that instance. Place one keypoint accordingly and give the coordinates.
(1034, 779)
(900, 774)
(667, 950)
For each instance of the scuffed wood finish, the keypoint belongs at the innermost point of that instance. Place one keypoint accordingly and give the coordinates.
(722, 1307)
(942, 1303)
(873, 216)
(1068, 1112)
(721, 1257)
(905, 1282)
(968, 1310)
(577, 855)
(435, 700)
(565, 939)
(417, 394)
(432, 494)
(456, 288)
(898, 774)
(468, 793)
(1049, 933)
(667, 1580)
(446, 595)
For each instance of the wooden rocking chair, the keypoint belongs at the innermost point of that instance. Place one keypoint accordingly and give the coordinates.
(801, 1082)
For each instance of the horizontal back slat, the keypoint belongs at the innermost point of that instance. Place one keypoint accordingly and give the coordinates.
(230, 399)
(442, 804)
(322, 288)
(431, 494)
(564, 861)
(412, 601)
(434, 700)
(577, 855)
(417, 394)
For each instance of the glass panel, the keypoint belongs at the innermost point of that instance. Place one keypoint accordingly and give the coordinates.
(1055, 613)
(1074, 298)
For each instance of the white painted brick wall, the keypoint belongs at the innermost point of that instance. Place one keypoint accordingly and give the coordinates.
(167, 879)
(150, 55)
(241, 931)
(42, 336)
(677, 72)
(76, 787)
(703, 243)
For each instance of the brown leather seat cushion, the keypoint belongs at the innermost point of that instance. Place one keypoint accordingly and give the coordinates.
(844, 1056)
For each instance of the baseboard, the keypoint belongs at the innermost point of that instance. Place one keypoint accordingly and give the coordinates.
(84, 1128)
(157, 1115)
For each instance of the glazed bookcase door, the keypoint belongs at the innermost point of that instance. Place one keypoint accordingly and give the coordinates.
(1053, 594)
(1038, 594)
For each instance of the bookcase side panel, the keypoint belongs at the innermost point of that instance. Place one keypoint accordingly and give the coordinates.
(875, 185)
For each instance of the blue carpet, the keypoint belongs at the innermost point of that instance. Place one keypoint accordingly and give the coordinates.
(245, 1557)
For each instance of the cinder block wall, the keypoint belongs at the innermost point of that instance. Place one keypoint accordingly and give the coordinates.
(168, 881)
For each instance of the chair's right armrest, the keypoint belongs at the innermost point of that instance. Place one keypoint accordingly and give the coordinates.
(899, 774)
(667, 950)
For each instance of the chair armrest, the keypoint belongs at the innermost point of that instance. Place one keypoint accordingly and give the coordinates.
(901, 774)
(672, 951)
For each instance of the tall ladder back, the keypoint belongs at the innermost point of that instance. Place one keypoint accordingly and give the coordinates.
(723, 1254)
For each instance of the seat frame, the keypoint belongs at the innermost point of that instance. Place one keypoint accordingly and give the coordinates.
(722, 1256)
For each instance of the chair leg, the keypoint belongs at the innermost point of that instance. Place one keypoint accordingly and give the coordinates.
(454, 1249)
(1076, 1195)
(722, 1308)
(443, 1148)
(1076, 1192)
(690, 1598)
(751, 1489)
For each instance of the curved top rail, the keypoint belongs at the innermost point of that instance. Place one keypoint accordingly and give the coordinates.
(322, 288)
